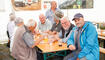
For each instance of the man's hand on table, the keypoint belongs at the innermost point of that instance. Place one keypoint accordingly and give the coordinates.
(37, 33)
(72, 47)
(38, 40)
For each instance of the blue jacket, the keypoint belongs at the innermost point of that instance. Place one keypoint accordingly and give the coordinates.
(88, 42)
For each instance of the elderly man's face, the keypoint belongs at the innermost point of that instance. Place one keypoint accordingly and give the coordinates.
(79, 22)
(53, 4)
(42, 19)
(65, 24)
(32, 28)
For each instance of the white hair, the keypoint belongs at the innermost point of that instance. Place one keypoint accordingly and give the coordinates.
(52, 1)
(30, 23)
(65, 18)
(18, 20)
(12, 14)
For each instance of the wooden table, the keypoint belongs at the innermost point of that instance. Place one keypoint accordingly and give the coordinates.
(53, 48)
(46, 48)
(101, 35)
(102, 50)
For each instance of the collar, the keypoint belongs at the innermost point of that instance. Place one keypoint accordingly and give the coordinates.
(84, 26)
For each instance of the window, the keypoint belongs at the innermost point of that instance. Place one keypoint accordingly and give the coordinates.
(75, 4)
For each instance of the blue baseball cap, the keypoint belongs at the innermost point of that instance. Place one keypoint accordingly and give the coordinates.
(77, 16)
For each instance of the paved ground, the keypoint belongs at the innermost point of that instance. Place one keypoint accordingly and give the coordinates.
(4, 53)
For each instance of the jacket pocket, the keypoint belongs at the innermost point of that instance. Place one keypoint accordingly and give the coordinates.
(90, 56)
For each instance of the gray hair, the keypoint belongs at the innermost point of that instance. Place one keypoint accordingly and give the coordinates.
(52, 2)
(30, 23)
(58, 14)
(18, 20)
(67, 18)
(11, 14)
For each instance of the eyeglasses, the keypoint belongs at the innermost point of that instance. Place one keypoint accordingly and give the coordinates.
(64, 23)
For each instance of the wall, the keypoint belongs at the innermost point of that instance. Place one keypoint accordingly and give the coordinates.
(96, 14)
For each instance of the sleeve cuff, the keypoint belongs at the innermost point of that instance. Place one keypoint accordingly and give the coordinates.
(80, 56)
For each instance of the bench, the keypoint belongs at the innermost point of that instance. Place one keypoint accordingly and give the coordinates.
(102, 50)
(101, 37)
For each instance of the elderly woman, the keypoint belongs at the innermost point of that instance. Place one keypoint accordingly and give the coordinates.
(18, 23)
(23, 47)
(57, 25)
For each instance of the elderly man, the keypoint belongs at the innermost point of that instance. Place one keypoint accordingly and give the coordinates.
(23, 47)
(10, 27)
(51, 11)
(83, 40)
(66, 28)
(44, 24)
(18, 22)
(57, 25)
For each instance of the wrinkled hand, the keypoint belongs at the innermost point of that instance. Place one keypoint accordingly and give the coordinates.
(77, 59)
(72, 47)
(37, 33)
(56, 37)
(39, 40)
(47, 31)
(54, 32)
(41, 37)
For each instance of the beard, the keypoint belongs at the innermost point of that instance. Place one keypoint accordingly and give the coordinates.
(79, 25)
(66, 28)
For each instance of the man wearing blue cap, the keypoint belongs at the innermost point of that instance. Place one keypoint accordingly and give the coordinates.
(83, 40)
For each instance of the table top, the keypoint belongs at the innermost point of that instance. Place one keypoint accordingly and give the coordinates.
(46, 47)
(101, 33)
(101, 37)
(102, 50)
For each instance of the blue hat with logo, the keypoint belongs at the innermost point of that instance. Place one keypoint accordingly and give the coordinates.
(77, 16)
